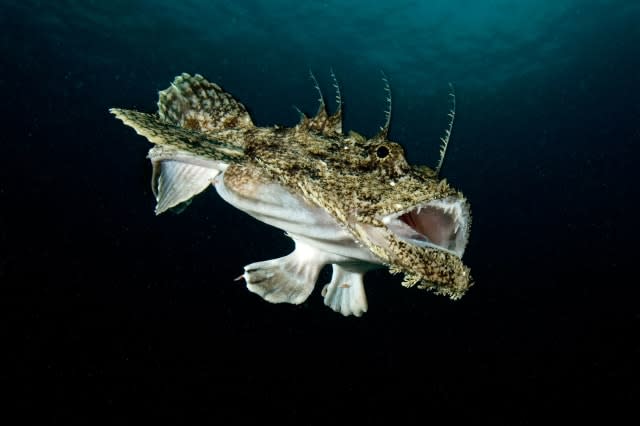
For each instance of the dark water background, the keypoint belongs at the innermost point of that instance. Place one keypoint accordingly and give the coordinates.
(111, 309)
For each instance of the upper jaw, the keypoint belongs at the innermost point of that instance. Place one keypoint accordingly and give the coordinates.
(441, 224)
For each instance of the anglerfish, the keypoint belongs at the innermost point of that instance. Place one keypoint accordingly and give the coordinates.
(344, 199)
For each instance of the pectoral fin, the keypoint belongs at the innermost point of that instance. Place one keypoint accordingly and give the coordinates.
(289, 279)
(345, 293)
(178, 182)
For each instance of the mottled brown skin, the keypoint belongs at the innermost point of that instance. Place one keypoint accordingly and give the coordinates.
(355, 179)
(346, 177)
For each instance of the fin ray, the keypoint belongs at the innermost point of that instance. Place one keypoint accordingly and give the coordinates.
(444, 141)
(322, 122)
(384, 131)
(335, 120)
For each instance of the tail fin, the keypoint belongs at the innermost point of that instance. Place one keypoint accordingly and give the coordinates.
(159, 132)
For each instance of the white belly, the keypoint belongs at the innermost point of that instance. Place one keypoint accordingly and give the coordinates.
(274, 205)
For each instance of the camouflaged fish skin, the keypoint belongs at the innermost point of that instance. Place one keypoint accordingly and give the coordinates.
(403, 216)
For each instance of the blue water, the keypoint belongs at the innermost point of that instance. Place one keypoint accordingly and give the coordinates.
(544, 146)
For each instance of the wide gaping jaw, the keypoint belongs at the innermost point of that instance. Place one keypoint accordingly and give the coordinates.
(441, 224)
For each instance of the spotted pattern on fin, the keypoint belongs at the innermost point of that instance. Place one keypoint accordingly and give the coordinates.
(197, 104)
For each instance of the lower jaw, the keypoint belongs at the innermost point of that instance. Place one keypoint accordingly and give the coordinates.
(425, 244)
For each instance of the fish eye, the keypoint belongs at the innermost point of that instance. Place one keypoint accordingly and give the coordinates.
(382, 151)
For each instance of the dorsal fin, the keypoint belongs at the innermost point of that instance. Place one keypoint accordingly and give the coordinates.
(335, 120)
(384, 131)
(194, 103)
(447, 134)
(322, 108)
(323, 123)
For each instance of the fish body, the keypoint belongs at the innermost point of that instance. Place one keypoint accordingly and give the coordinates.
(345, 200)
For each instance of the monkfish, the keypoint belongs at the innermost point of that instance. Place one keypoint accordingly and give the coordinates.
(344, 199)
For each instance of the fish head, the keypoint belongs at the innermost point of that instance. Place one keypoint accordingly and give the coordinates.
(411, 219)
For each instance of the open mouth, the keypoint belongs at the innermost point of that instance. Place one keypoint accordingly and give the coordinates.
(440, 224)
